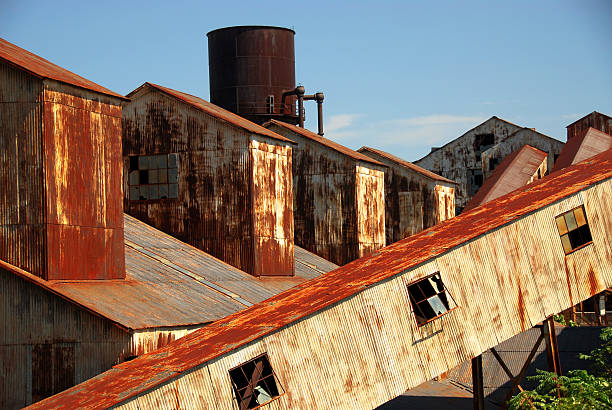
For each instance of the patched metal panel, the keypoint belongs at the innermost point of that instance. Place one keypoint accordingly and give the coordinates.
(272, 208)
(22, 217)
(82, 143)
(370, 198)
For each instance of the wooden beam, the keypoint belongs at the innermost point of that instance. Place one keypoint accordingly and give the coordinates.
(477, 383)
(552, 349)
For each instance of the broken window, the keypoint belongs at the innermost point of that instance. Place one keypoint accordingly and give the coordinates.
(254, 383)
(429, 298)
(153, 177)
(475, 181)
(493, 163)
(574, 229)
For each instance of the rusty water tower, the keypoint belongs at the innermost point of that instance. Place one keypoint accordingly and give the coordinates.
(252, 74)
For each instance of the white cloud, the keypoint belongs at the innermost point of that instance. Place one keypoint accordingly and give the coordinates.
(409, 138)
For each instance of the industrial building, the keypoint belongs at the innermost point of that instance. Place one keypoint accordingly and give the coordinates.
(209, 178)
(415, 198)
(453, 291)
(597, 120)
(583, 146)
(470, 158)
(339, 202)
(518, 169)
(74, 301)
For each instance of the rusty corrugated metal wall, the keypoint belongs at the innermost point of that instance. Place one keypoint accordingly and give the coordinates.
(48, 344)
(22, 216)
(504, 282)
(82, 171)
(59, 149)
(460, 161)
(338, 201)
(496, 154)
(596, 120)
(218, 167)
(413, 201)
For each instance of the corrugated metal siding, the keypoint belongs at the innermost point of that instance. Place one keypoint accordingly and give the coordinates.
(48, 344)
(413, 200)
(551, 146)
(272, 207)
(370, 199)
(82, 140)
(22, 217)
(490, 278)
(326, 200)
(386, 274)
(214, 211)
(455, 159)
(595, 119)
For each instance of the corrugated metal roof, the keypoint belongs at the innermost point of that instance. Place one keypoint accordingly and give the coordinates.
(406, 164)
(215, 111)
(129, 379)
(43, 68)
(582, 147)
(170, 283)
(515, 171)
(324, 141)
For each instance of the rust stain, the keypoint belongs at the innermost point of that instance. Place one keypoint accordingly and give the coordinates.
(234, 188)
(211, 342)
(593, 283)
(569, 282)
(521, 304)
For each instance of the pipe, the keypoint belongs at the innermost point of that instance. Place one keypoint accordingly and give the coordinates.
(299, 92)
(318, 97)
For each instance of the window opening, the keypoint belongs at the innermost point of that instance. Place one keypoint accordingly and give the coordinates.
(153, 177)
(270, 104)
(255, 383)
(573, 229)
(429, 298)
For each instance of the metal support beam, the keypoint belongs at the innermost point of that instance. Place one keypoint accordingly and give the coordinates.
(477, 383)
(552, 349)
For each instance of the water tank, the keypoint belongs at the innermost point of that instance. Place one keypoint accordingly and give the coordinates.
(249, 68)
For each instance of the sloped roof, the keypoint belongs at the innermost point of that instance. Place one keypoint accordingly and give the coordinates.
(409, 165)
(148, 371)
(324, 141)
(215, 111)
(40, 67)
(582, 147)
(169, 283)
(531, 130)
(493, 118)
(593, 113)
(515, 171)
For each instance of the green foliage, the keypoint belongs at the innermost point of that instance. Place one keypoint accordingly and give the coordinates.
(601, 357)
(561, 319)
(577, 390)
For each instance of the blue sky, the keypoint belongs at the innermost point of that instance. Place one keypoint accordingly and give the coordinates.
(399, 76)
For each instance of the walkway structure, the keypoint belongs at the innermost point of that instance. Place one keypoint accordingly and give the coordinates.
(367, 331)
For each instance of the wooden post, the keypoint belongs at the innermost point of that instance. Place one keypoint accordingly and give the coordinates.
(552, 349)
(477, 383)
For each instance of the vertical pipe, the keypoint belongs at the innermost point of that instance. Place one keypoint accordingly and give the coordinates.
(477, 383)
(319, 97)
(552, 348)
(301, 109)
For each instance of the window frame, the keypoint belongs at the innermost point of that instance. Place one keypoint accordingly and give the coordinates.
(273, 376)
(131, 159)
(567, 232)
(452, 304)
